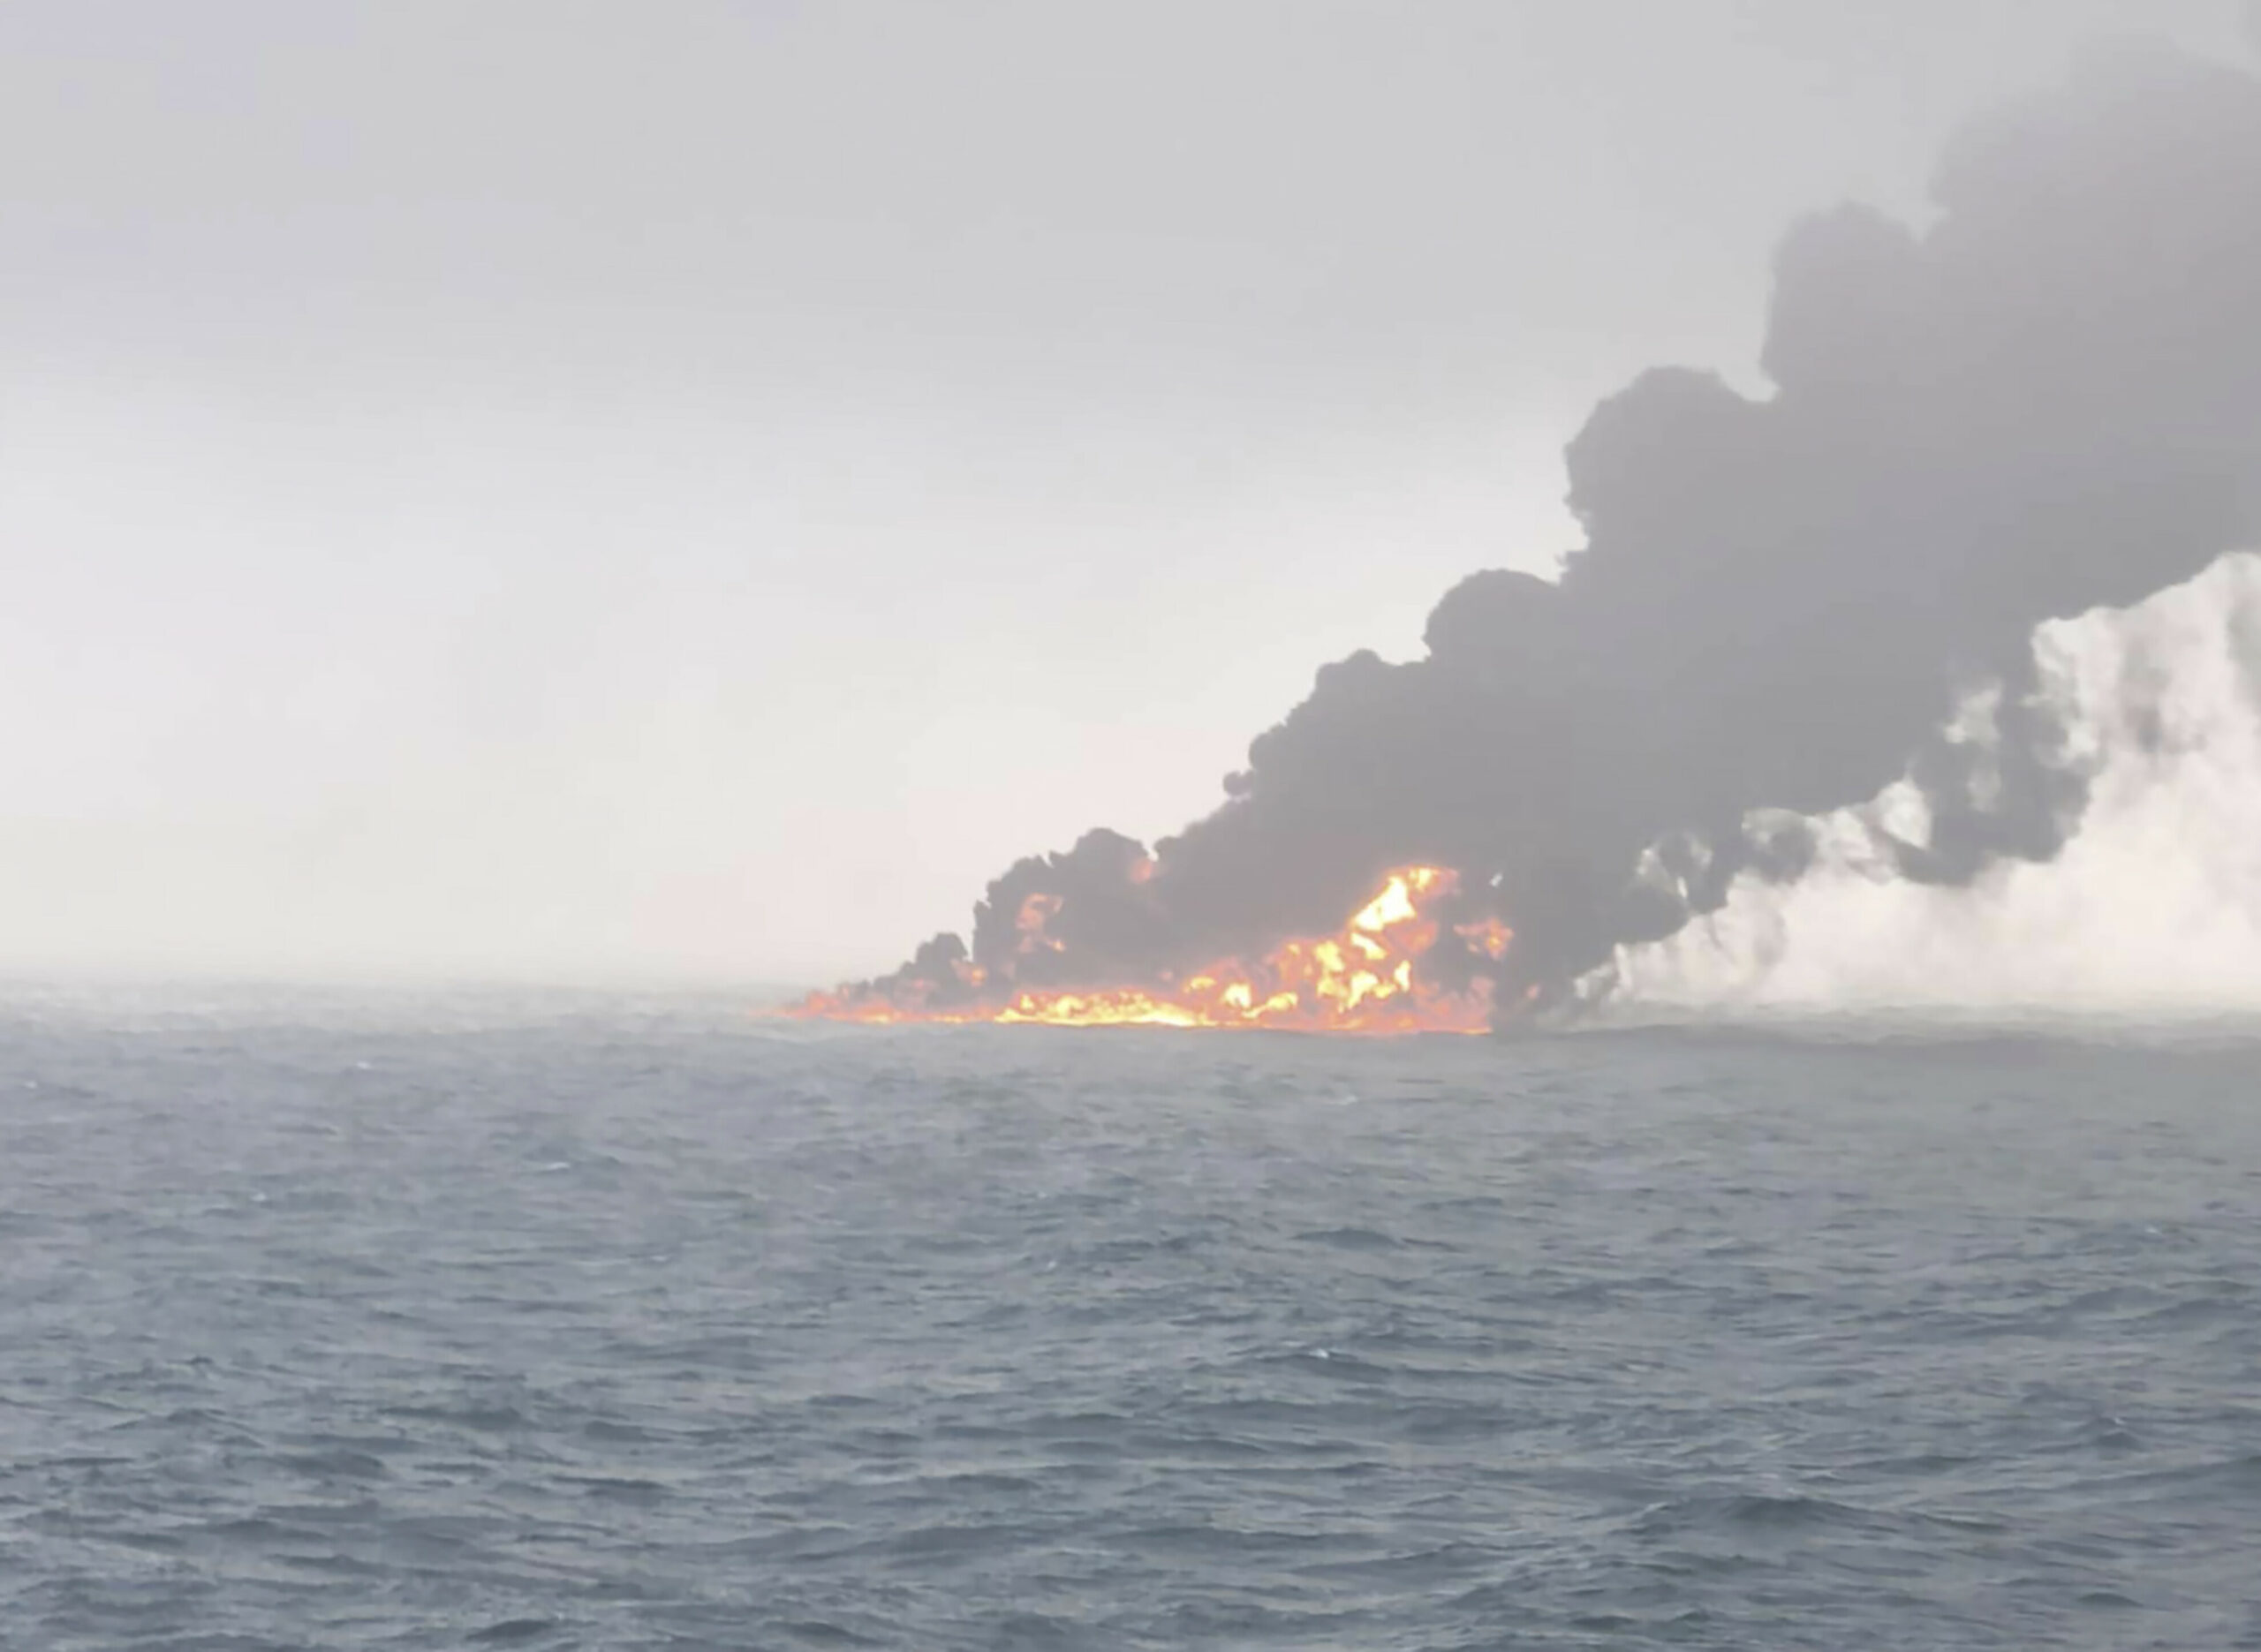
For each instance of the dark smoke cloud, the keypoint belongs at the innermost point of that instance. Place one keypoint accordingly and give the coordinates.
(2051, 401)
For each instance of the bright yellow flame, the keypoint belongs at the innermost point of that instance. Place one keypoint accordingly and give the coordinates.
(1360, 981)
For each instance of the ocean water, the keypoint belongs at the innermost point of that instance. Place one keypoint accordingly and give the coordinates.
(334, 1323)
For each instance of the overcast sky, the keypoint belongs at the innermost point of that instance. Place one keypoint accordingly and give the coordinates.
(552, 488)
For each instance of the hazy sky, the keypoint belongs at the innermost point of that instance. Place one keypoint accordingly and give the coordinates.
(572, 489)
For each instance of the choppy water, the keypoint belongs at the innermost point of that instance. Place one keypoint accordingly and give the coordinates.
(630, 1326)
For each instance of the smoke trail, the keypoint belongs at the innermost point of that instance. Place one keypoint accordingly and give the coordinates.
(2048, 403)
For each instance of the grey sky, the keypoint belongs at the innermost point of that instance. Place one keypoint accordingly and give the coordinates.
(579, 489)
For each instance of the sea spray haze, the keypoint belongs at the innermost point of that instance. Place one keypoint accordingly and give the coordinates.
(2047, 400)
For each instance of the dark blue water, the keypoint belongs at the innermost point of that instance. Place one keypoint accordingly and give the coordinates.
(351, 1325)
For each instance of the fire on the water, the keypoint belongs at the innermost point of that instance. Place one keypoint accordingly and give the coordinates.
(1364, 979)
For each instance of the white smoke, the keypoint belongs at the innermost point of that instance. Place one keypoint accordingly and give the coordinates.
(2153, 907)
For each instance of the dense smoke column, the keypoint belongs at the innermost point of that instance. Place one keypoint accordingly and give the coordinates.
(2049, 402)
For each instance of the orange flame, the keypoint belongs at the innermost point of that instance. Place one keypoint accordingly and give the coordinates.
(1028, 922)
(1363, 980)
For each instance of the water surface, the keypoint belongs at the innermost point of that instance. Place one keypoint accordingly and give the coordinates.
(359, 1324)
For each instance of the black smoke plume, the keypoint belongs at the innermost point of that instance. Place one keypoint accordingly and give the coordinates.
(2048, 402)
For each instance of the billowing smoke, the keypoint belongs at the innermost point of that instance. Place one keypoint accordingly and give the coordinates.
(2048, 402)
(2154, 907)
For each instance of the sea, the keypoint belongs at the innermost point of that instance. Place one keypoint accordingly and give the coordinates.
(483, 1319)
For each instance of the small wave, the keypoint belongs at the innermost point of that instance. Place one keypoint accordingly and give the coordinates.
(1348, 1239)
(514, 1631)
